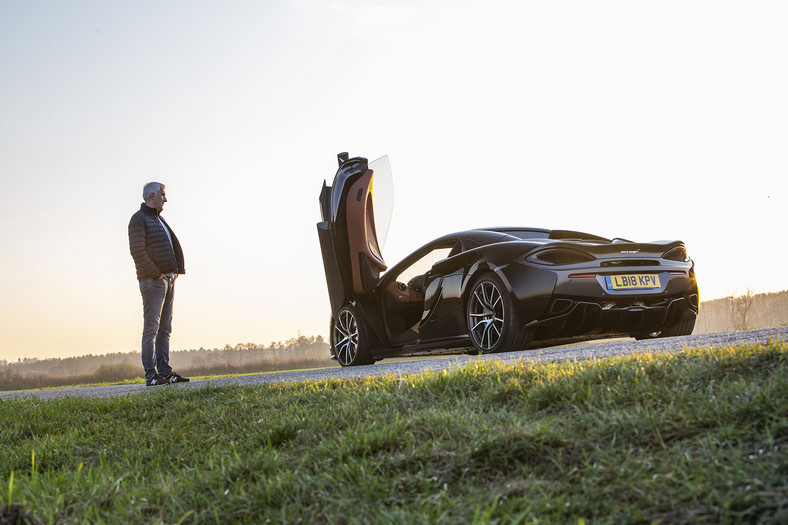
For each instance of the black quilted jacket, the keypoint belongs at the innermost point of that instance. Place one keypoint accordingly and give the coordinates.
(153, 255)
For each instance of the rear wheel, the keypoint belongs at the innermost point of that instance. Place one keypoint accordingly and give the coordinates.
(349, 339)
(683, 326)
(492, 321)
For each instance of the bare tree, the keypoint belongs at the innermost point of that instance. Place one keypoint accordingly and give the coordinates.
(738, 308)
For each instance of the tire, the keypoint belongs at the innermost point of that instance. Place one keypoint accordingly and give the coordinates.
(683, 326)
(349, 338)
(493, 324)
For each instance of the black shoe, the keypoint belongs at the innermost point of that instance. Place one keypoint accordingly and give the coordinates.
(157, 380)
(175, 378)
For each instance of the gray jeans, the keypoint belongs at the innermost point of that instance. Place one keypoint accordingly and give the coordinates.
(157, 298)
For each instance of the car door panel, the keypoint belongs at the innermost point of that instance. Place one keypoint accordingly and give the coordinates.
(443, 312)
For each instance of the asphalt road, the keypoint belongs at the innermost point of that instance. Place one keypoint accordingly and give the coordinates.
(555, 354)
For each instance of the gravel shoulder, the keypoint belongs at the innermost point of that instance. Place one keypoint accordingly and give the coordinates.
(594, 350)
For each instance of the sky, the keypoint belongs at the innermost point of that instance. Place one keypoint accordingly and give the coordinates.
(641, 120)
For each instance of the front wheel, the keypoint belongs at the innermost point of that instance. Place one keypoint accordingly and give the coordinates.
(493, 324)
(349, 339)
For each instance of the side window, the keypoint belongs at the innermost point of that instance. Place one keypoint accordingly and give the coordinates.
(422, 265)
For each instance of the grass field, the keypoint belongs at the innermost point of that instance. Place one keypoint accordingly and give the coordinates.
(699, 436)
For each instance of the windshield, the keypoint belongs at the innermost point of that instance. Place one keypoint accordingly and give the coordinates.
(382, 197)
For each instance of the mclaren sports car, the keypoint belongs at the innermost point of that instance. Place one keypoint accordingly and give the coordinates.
(490, 289)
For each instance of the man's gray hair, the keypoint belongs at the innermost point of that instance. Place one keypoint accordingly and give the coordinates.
(151, 187)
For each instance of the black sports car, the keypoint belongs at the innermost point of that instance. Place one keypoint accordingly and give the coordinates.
(487, 290)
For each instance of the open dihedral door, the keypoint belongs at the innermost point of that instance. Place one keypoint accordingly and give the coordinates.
(349, 237)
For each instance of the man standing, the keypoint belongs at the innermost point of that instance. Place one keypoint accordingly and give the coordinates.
(159, 259)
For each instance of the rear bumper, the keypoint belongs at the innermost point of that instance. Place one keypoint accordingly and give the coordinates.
(569, 317)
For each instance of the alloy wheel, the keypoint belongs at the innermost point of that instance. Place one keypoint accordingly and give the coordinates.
(345, 337)
(486, 315)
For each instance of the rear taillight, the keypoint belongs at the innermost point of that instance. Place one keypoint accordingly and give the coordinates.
(678, 254)
(559, 257)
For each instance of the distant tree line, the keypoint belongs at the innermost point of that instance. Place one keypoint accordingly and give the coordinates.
(299, 352)
(743, 311)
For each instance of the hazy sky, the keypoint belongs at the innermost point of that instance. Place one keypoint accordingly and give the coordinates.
(643, 120)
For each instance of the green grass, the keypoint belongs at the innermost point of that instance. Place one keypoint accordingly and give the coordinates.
(699, 436)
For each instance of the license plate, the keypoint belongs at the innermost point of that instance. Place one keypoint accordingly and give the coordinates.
(633, 281)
